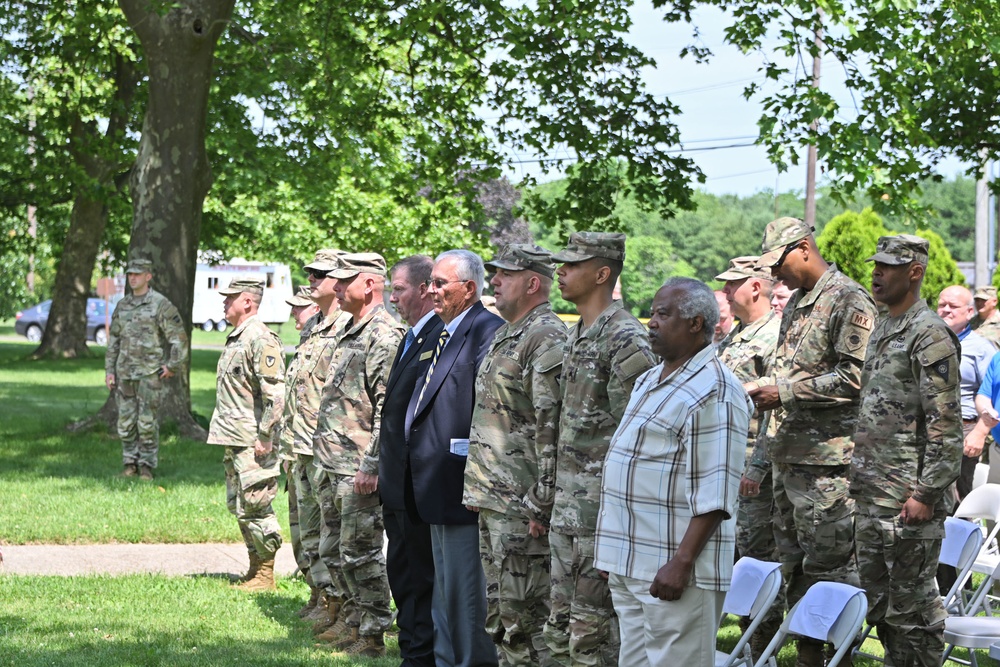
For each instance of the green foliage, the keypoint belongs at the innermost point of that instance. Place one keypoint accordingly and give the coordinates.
(921, 78)
(849, 239)
(942, 271)
(649, 261)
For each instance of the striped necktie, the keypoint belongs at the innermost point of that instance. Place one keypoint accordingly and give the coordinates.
(430, 371)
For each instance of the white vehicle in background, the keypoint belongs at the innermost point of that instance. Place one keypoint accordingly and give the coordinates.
(207, 311)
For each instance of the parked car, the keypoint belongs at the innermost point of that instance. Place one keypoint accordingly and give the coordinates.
(30, 323)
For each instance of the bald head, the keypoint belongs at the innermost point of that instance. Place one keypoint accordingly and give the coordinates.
(956, 307)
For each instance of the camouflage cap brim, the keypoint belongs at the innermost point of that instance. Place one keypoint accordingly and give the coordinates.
(769, 259)
(570, 257)
(892, 260)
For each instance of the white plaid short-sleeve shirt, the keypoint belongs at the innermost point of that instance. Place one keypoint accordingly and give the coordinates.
(678, 453)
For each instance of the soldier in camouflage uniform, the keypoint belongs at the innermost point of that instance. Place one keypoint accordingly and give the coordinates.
(815, 381)
(510, 471)
(907, 452)
(986, 323)
(303, 310)
(312, 369)
(346, 450)
(143, 325)
(250, 397)
(748, 351)
(605, 352)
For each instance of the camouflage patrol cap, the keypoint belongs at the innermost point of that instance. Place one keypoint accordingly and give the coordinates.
(326, 259)
(302, 299)
(523, 257)
(353, 263)
(778, 234)
(243, 285)
(745, 267)
(899, 250)
(139, 266)
(587, 245)
(985, 292)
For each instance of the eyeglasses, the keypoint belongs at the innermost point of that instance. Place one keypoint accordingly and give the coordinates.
(781, 260)
(437, 283)
(317, 274)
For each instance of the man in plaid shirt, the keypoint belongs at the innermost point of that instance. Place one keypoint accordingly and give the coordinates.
(665, 533)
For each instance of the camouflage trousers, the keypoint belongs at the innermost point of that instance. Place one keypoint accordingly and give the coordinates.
(582, 628)
(295, 534)
(306, 477)
(517, 587)
(898, 564)
(138, 422)
(813, 526)
(755, 538)
(351, 538)
(251, 485)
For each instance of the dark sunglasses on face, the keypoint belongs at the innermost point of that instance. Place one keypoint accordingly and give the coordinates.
(317, 274)
(788, 250)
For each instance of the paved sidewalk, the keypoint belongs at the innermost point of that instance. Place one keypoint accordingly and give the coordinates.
(117, 559)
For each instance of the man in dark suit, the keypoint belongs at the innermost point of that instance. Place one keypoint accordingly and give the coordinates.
(409, 560)
(439, 419)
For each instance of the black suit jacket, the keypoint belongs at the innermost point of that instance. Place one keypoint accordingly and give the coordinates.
(406, 370)
(445, 413)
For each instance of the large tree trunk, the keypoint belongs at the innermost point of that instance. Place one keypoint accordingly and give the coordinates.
(99, 160)
(66, 331)
(172, 175)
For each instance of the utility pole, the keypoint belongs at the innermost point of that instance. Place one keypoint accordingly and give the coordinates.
(810, 213)
(983, 226)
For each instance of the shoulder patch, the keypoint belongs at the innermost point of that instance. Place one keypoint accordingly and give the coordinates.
(270, 360)
(634, 365)
(549, 359)
(862, 320)
(938, 353)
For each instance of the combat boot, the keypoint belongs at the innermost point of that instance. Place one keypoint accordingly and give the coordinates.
(263, 580)
(323, 625)
(130, 470)
(319, 612)
(810, 654)
(254, 566)
(311, 604)
(341, 636)
(146, 473)
(367, 646)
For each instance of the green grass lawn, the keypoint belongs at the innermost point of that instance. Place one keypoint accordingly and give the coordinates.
(62, 488)
(154, 620)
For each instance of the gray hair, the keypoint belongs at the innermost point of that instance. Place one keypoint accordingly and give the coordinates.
(469, 266)
(699, 299)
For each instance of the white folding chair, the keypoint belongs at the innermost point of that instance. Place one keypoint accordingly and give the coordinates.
(754, 588)
(981, 475)
(970, 632)
(828, 612)
(983, 505)
(961, 544)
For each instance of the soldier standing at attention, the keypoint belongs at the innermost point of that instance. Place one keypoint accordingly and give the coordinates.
(143, 325)
(605, 352)
(250, 396)
(816, 381)
(510, 472)
(303, 311)
(346, 451)
(986, 323)
(907, 452)
(748, 352)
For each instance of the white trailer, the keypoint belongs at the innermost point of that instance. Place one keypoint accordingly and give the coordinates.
(207, 311)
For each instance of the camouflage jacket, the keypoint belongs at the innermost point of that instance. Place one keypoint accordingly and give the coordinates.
(600, 367)
(909, 439)
(353, 393)
(515, 423)
(141, 328)
(250, 393)
(990, 328)
(817, 368)
(306, 377)
(748, 351)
